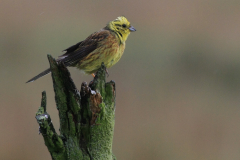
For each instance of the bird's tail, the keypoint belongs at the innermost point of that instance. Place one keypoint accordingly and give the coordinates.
(39, 75)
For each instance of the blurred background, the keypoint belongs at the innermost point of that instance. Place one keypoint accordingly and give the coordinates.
(178, 82)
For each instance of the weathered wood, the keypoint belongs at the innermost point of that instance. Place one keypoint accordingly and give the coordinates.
(86, 118)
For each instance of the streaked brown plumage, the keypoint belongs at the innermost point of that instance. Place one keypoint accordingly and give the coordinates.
(106, 45)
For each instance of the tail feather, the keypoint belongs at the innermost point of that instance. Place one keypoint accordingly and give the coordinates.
(39, 75)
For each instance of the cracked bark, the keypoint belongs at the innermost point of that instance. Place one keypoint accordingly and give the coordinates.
(86, 118)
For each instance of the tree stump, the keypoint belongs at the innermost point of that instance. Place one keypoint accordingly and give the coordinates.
(86, 118)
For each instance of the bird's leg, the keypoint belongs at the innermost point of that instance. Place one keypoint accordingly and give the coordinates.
(107, 72)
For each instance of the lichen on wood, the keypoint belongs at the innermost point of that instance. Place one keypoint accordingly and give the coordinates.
(86, 117)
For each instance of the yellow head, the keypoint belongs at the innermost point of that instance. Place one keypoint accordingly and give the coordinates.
(121, 26)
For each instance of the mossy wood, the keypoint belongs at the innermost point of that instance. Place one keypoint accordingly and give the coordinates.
(86, 117)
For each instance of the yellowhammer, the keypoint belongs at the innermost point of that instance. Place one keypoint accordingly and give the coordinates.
(106, 45)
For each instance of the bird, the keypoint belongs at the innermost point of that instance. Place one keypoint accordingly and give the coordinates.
(106, 45)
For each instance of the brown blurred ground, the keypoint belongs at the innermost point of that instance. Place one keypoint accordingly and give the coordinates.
(178, 83)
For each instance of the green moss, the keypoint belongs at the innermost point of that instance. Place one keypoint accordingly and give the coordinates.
(86, 121)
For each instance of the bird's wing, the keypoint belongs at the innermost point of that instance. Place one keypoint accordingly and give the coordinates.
(78, 51)
(72, 48)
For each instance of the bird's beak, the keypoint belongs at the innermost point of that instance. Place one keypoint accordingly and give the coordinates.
(132, 29)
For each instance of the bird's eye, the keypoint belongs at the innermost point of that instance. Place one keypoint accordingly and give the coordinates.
(124, 26)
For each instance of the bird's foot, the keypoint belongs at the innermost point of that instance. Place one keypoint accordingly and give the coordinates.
(107, 72)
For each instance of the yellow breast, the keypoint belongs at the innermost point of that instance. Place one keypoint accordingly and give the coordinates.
(109, 51)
